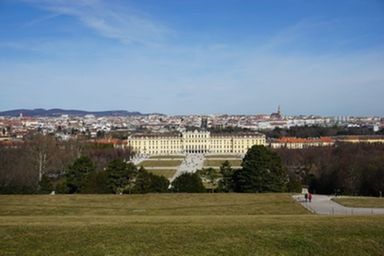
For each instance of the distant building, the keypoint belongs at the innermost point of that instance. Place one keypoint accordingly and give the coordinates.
(300, 143)
(277, 115)
(361, 139)
(195, 142)
(116, 143)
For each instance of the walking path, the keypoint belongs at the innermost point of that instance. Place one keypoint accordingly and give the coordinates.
(322, 204)
(191, 163)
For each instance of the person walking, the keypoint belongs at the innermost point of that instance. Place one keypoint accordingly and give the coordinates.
(306, 197)
(309, 197)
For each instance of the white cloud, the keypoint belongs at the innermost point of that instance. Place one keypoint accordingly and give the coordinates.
(117, 22)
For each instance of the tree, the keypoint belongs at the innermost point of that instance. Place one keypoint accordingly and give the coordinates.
(96, 183)
(159, 184)
(209, 176)
(189, 183)
(77, 173)
(41, 151)
(102, 154)
(45, 185)
(294, 184)
(17, 174)
(143, 182)
(226, 184)
(261, 171)
(149, 183)
(121, 175)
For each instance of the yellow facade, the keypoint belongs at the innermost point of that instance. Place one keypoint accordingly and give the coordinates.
(195, 142)
(361, 139)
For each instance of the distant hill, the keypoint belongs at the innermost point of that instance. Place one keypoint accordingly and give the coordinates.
(55, 112)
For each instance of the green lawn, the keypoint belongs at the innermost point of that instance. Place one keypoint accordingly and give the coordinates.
(166, 173)
(208, 162)
(160, 163)
(367, 202)
(180, 224)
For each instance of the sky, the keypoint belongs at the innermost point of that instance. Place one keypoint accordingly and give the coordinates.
(320, 57)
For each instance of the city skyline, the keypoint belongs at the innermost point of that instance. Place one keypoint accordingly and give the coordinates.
(56, 112)
(194, 57)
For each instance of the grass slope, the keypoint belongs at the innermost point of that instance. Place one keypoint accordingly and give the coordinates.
(160, 163)
(220, 162)
(180, 224)
(365, 202)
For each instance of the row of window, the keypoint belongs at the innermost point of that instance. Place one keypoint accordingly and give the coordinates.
(196, 136)
(224, 147)
(154, 152)
(196, 141)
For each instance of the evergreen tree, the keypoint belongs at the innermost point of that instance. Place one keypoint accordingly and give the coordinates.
(142, 182)
(159, 184)
(226, 184)
(96, 183)
(262, 171)
(189, 183)
(150, 183)
(45, 185)
(121, 175)
(77, 172)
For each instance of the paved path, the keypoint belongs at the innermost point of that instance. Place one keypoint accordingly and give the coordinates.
(191, 163)
(322, 204)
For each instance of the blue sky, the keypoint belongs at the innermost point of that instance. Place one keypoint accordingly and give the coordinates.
(194, 56)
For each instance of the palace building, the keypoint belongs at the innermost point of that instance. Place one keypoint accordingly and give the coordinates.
(195, 141)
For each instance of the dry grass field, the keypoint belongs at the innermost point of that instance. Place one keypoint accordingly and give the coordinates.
(179, 224)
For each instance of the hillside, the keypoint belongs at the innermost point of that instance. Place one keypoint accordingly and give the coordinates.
(71, 112)
(179, 224)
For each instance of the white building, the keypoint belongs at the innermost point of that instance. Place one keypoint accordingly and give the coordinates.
(195, 142)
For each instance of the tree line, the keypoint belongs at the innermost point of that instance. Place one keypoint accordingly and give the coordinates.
(119, 177)
(23, 166)
(350, 169)
(262, 171)
(43, 164)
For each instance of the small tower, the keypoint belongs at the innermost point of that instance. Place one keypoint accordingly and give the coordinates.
(204, 123)
(277, 115)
